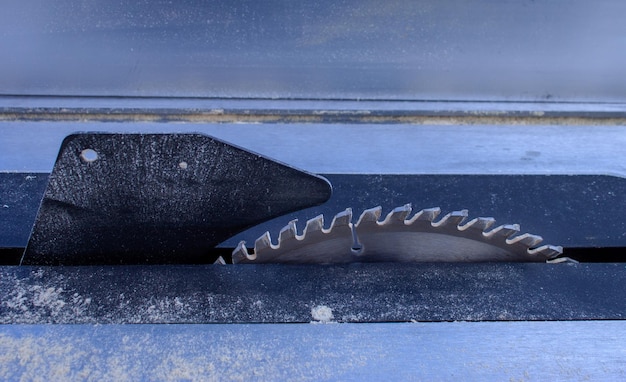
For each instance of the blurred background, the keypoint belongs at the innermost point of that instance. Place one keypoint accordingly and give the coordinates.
(557, 51)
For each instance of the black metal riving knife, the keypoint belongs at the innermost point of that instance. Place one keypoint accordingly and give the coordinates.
(146, 198)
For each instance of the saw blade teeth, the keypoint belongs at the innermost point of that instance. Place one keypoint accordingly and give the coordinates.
(342, 219)
(397, 215)
(370, 216)
(478, 224)
(240, 253)
(454, 218)
(527, 239)
(547, 251)
(219, 261)
(288, 232)
(560, 260)
(427, 214)
(263, 243)
(313, 225)
(397, 238)
(504, 231)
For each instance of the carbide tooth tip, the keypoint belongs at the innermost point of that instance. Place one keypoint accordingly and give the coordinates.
(453, 218)
(315, 224)
(343, 218)
(504, 231)
(560, 260)
(478, 224)
(527, 239)
(407, 207)
(547, 251)
(402, 209)
(287, 232)
(220, 261)
(240, 253)
(263, 242)
(427, 214)
(398, 214)
(370, 215)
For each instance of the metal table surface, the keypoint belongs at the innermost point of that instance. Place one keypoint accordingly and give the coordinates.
(446, 351)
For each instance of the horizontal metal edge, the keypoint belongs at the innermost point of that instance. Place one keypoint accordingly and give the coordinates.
(381, 292)
(364, 149)
(267, 110)
(555, 351)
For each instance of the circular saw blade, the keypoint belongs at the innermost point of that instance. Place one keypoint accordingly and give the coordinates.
(398, 238)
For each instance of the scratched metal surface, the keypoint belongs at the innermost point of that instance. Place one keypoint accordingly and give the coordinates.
(485, 351)
(356, 293)
(336, 148)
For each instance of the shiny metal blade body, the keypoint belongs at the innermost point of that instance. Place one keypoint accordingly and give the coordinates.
(399, 238)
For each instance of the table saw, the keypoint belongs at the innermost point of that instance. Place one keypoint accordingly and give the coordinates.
(321, 190)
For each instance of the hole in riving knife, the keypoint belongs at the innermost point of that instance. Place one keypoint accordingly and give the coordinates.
(89, 155)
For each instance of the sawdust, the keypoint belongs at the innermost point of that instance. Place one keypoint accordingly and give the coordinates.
(45, 296)
(32, 303)
(156, 310)
(172, 353)
(322, 313)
